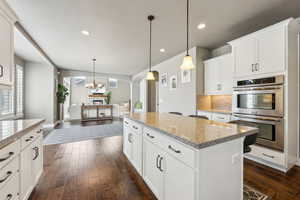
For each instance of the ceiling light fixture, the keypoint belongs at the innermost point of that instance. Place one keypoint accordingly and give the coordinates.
(94, 85)
(84, 32)
(150, 75)
(162, 50)
(187, 63)
(201, 26)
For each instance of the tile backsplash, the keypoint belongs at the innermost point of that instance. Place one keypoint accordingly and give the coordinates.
(217, 102)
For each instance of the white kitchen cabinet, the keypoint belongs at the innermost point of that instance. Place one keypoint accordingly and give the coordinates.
(37, 160)
(206, 114)
(132, 145)
(262, 52)
(26, 173)
(221, 117)
(7, 20)
(179, 180)
(152, 173)
(218, 75)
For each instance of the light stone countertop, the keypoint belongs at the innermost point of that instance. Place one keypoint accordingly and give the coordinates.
(198, 133)
(12, 130)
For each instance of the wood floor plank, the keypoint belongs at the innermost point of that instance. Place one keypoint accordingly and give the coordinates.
(98, 170)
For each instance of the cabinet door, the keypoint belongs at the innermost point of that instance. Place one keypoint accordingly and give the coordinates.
(37, 160)
(25, 170)
(6, 54)
(136, 152)
(126, 142)
(244, 57)
(226, 74)
(179, 180)
(153, 176)
(271, 51)
(211, 76)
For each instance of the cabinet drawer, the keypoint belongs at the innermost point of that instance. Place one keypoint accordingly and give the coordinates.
(11, 190)
(9, 152)
(133, 125)
(30, 137)
(221, 117)
(9, 171)
(267, 154)
(174, 148)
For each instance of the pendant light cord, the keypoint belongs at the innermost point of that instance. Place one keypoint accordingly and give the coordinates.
(150, 46)
(94, 60)
(187, 27)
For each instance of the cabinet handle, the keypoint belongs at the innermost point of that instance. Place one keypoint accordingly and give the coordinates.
(160, 169)
(8, 174)
(150, 136)
(9, 197)
(1, 71)
(130, 137)
(126, 122)
(252, 67)
(157, 165)
(10, 154)
(176, 151)
(37, 153)
(39, 131)
(136, 128)
(257, 67)
(268, 155)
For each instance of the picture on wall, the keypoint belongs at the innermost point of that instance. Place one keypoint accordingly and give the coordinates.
(185, 76)
(164, 79)
(173, 82)
(112, 83)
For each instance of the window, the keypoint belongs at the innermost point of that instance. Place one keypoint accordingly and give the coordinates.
(19, 90)
(6, 102)
(112, 83)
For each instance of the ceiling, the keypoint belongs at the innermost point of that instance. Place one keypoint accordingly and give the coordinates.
(119, 28)
(25, 50)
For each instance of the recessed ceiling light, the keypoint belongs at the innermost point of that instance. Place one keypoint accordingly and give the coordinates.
(201, 26)
(84, 32)
(162, 50)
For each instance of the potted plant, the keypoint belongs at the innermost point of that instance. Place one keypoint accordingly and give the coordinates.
(62, 93)
(108, 97)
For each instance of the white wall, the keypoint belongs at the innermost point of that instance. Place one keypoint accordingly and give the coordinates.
(184, 98)
(40, 91)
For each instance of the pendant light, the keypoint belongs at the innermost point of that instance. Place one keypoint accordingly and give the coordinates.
(150, 75)
(94, 85)
(187, 63)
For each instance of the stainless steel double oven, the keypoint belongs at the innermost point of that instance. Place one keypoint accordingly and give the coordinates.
(260, 103)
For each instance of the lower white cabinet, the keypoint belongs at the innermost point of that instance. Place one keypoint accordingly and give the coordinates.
(220, 117)
(167, 177)
(132, 147)
(153, 168)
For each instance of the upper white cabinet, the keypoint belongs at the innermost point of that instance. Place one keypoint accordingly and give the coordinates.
(7, 20)
(218, 75)
(262, 52)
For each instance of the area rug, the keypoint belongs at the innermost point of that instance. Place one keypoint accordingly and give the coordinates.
(252, 194)
(79, 133)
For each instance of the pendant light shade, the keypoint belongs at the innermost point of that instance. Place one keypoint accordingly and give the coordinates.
(94, 85)
(150, 75)
(187, 63)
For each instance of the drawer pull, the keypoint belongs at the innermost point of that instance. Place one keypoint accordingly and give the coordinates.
(126, 122)
(39, 131)
(159, 164)
(176, 151)
(10, 154)
(9, 197)
(8, 174)
(37, 153)
(157, 158)
(150, 136)
(136, 128)
(268, 155)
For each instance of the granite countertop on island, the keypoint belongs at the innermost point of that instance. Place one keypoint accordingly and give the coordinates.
(195, 132)
(11, 130)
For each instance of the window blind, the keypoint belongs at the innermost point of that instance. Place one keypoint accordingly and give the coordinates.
(19, 89)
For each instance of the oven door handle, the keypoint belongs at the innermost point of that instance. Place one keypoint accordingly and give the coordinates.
(257, 88)
(258, 118)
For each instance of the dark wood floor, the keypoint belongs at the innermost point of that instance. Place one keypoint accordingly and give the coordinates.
(97, 170)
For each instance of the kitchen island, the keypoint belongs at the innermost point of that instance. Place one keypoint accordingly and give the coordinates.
(186, 158)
